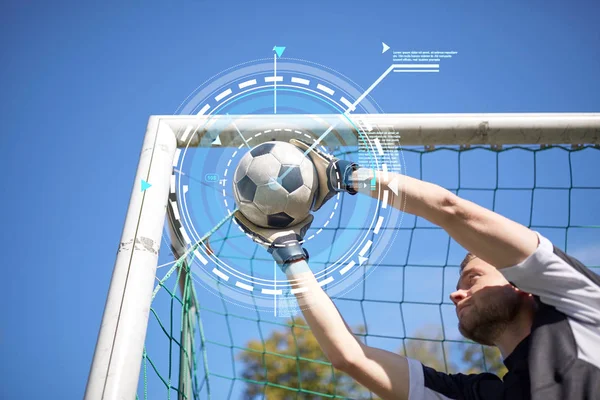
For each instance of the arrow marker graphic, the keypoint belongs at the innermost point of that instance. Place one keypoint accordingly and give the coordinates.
(145, 185)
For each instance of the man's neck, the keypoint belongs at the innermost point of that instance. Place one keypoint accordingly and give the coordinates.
(515, 332)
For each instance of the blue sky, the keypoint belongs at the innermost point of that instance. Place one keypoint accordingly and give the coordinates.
(79, 80)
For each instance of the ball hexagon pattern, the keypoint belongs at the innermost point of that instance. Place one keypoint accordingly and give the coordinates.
(274, 185)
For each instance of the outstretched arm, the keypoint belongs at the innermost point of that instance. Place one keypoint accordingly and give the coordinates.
(495, 239)
(384, 373)
(490, 236)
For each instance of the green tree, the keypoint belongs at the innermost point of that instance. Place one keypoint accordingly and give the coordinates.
(429, 352)
(443, 355)
(480, 358)
(290, 365)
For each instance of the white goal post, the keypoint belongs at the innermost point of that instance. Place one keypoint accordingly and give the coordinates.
(116, 364)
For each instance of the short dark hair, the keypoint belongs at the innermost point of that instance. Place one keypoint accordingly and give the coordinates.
(468, 258)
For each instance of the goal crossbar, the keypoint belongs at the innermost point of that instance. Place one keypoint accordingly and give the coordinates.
(414, 129)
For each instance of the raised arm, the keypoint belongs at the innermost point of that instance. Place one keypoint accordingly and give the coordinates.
(495, 239)
(490, 236)
(384, 373)
(389, 375)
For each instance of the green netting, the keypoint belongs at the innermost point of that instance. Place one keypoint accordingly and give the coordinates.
(225, 351)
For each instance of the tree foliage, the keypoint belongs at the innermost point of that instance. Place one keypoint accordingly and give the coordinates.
(480, 358)
(452, 357)
(289, 364)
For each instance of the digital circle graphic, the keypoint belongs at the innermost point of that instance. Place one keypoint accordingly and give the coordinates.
(349, 234)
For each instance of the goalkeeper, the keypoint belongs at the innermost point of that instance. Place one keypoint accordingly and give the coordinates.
(516, 291)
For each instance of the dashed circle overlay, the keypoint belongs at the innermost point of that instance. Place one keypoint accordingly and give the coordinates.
(349, 262)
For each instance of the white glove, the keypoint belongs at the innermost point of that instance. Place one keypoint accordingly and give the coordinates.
(282, 243)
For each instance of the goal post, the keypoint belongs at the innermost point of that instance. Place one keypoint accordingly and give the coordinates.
(116, 363)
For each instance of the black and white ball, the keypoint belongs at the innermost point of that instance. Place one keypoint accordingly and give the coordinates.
(275, 184)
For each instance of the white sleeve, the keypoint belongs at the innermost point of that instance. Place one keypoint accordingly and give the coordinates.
(417, 388)
(560, 281)
(415, 380)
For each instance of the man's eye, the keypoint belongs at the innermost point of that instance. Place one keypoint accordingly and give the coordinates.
(473, 277)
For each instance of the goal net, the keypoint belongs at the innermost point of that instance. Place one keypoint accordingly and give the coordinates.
(200, 344)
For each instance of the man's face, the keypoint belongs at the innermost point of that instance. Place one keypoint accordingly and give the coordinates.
(485, 302)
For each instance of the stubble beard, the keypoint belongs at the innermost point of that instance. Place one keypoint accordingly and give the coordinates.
(487, 320)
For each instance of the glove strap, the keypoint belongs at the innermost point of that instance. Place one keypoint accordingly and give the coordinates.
(286, 256)
(287, 249)
(344, 168)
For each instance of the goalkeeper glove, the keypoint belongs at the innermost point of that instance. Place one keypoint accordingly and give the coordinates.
(282, 243)
(334, 174)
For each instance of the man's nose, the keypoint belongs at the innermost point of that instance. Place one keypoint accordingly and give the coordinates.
(458, 295)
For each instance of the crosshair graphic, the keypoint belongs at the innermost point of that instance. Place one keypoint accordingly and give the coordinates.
(350, 233)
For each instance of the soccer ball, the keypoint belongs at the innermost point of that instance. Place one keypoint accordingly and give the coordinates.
(274, 185)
